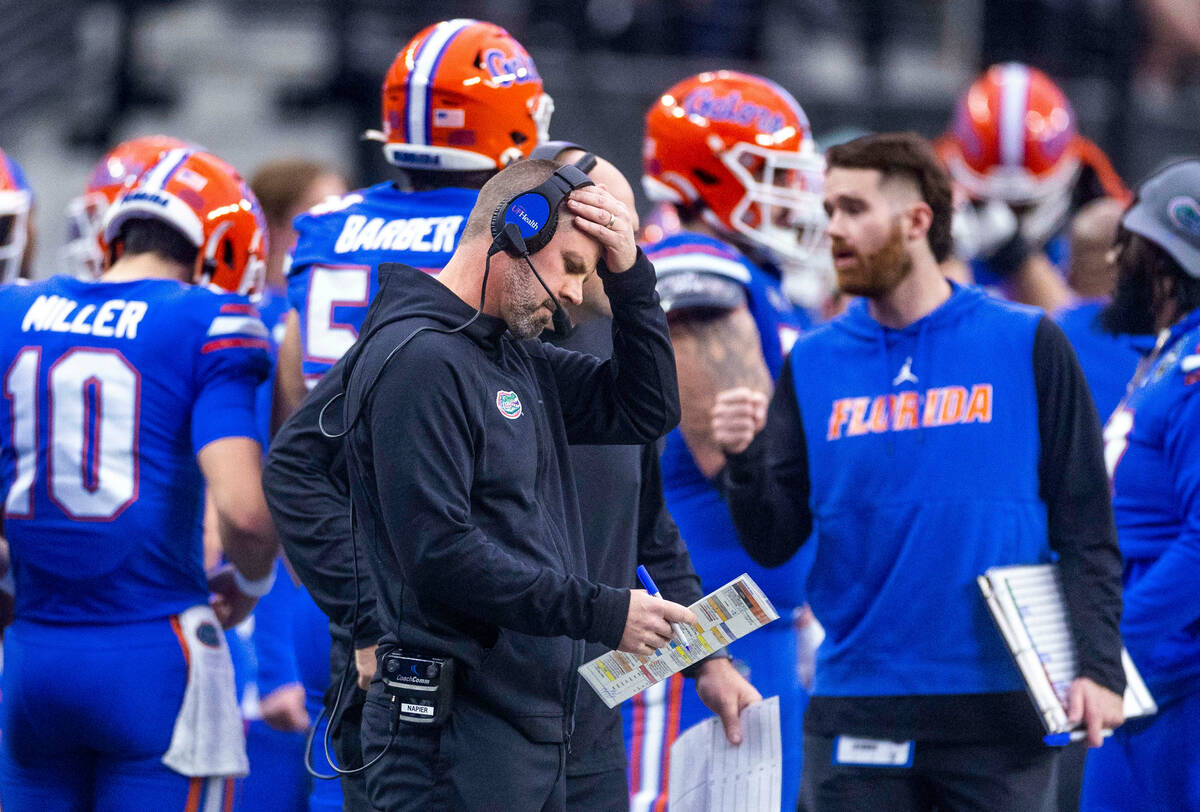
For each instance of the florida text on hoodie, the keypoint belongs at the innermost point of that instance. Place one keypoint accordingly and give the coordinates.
(924, 456)
(462, 490)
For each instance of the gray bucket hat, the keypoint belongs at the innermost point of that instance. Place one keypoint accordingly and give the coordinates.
(1167, 213)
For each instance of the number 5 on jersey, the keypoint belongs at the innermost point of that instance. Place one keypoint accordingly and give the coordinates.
(326, 340)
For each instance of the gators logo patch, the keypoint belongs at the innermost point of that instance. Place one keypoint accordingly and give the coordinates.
(1185, 213)
(509, 404)
(208, 635)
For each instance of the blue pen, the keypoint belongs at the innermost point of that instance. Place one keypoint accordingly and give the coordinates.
(1070, 737)
(648, 582)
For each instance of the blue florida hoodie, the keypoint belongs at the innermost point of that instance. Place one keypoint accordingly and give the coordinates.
(924, 456)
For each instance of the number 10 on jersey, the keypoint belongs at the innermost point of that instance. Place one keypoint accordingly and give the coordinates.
(91, 413)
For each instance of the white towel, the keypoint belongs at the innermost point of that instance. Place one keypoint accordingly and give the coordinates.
(208, 739)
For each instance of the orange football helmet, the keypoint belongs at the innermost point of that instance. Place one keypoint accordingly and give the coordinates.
(16, 202)
(1013, 137)
(462, 95)
(209, 203)
(84, 251)
(737, 149)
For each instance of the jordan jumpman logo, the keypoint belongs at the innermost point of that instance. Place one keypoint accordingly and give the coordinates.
(906, 374)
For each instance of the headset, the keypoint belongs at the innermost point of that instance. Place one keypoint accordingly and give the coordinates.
(525, 224)
(522, 225)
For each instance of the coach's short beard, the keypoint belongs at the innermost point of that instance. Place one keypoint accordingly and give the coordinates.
(523, 305)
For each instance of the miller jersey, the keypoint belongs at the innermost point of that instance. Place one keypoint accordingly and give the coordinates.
(110, 390)
(340, 245)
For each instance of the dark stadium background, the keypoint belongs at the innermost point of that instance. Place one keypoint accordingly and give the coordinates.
(253, 80)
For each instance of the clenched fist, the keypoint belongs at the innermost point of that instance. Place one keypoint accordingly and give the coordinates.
(737, 416)
(648, 624)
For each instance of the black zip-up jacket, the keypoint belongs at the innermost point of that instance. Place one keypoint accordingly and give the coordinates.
(306, 486)
(462, 493)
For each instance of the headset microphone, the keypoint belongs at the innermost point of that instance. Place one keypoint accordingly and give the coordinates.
(560, 321)
(510, 238)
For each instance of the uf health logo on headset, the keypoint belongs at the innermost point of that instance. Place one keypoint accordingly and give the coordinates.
(535, 212)
(519, 211)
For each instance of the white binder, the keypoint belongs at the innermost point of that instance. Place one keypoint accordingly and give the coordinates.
(1029, 608)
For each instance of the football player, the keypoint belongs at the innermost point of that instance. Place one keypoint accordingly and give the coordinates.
(461, 101)
(733, 154)
(125, 399)
(1015, 153)
(16, 221)
(83, 253)
(16, 262)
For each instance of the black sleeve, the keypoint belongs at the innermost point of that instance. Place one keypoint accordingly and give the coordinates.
(633, 398)
(305, 483)
(767, 485)
(424, 474)
(1075, 488)
(660, 547)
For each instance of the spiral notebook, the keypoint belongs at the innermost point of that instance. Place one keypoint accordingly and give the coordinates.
(1029, 608)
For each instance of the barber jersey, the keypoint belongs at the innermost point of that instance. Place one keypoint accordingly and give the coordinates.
(341, 242)
(693, 501)
(110, 390)
(1152, 448)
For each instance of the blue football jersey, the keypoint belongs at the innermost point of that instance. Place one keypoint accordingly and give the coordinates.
(273, 310)
(341, 243)
(1152, 447)
(693, 501)
(110, 390)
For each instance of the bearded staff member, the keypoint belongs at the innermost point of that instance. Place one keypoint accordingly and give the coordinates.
(928, 433)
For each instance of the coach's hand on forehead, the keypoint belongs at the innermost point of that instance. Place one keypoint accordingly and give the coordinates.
(608, 221)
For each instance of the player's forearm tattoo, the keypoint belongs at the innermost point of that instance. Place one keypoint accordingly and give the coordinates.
(722, 349)
(714, 351)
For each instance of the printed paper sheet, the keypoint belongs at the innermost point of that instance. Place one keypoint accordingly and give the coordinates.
(708, 774)
(723, 616)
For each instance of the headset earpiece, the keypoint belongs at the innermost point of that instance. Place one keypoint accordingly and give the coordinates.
(534, 214)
